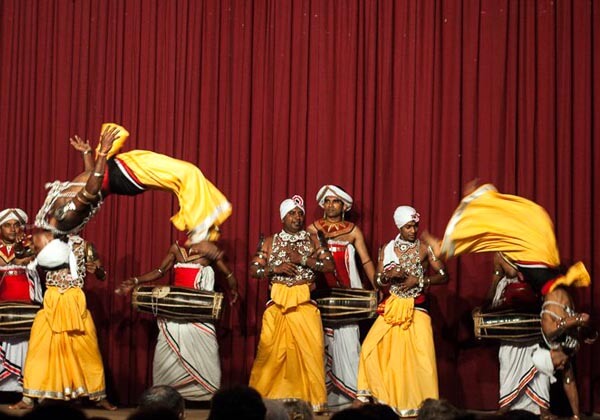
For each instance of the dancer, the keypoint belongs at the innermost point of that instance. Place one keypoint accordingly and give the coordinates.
(289, 360)
(70, 205)
(397, 361)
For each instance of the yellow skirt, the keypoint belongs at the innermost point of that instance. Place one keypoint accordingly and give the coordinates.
(63, 360)
(487, 221)
(397, 363)
(201, 204)
(289, 360)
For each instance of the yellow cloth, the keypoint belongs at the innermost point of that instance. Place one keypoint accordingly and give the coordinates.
(201, 204)
(63, 360)
(576, 276)
(487, 221)
(289, 360)
(397, 363)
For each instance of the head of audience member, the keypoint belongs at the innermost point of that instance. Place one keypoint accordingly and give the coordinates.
(12, 221)
(520, 415)
(154, 413)
(432, 409)
(367, 412)
(275, 410)
(238, 402)
(291, 212)
(298, 409)
(379, 411)
(407, 221)
(334, 201)
(162, 397)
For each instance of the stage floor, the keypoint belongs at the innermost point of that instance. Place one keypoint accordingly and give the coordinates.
(123, 413)
(196, 414)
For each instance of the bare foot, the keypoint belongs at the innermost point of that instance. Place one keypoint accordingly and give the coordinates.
(21, 405)
(105, 404)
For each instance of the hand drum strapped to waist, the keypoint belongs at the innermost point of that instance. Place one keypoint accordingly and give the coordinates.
(16, 318)
(178, 303)
(345, 306)
(507, 325)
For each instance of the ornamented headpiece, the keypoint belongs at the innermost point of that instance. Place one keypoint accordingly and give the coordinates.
(334, 190)
(289, 204)
(405, 214)
(9, 214)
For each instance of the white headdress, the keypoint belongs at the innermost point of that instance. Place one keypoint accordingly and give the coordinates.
(289, 204)
(334, 190)
(405, 214)
(9, 214)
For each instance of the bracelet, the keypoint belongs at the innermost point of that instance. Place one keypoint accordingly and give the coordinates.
(228, 276)
(102, 154)
(367, 262)
(87, 195)
(86, 152)
(304, 260)
(380, 280)
(98, 174)
(433, 257)
(83, 199)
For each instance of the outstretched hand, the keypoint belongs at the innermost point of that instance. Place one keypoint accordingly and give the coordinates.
(107, 138)
(79, 144)
(125, 287)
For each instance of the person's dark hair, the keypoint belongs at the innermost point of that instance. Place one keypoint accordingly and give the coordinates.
(379, 411)
(432, 409)
(162, 396)
(520, 415)
(238, 402)
(154, 413)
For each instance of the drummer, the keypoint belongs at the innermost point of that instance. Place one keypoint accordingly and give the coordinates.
(408, 374)
(17, 283)
(345, 240)
(187, 353)
(289, 359)
(521, 386)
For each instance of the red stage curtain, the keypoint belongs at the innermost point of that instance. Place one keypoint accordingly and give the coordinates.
(400, 102)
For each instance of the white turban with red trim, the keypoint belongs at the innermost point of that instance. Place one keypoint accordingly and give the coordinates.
(289, 204)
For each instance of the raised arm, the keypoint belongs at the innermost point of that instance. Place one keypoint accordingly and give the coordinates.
(84, 147)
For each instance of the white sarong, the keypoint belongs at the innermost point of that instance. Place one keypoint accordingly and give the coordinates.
(187, 353)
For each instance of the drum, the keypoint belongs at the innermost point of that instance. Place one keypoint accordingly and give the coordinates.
(178, 303)
(507, 325)
(16, 318)
(345, 306)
